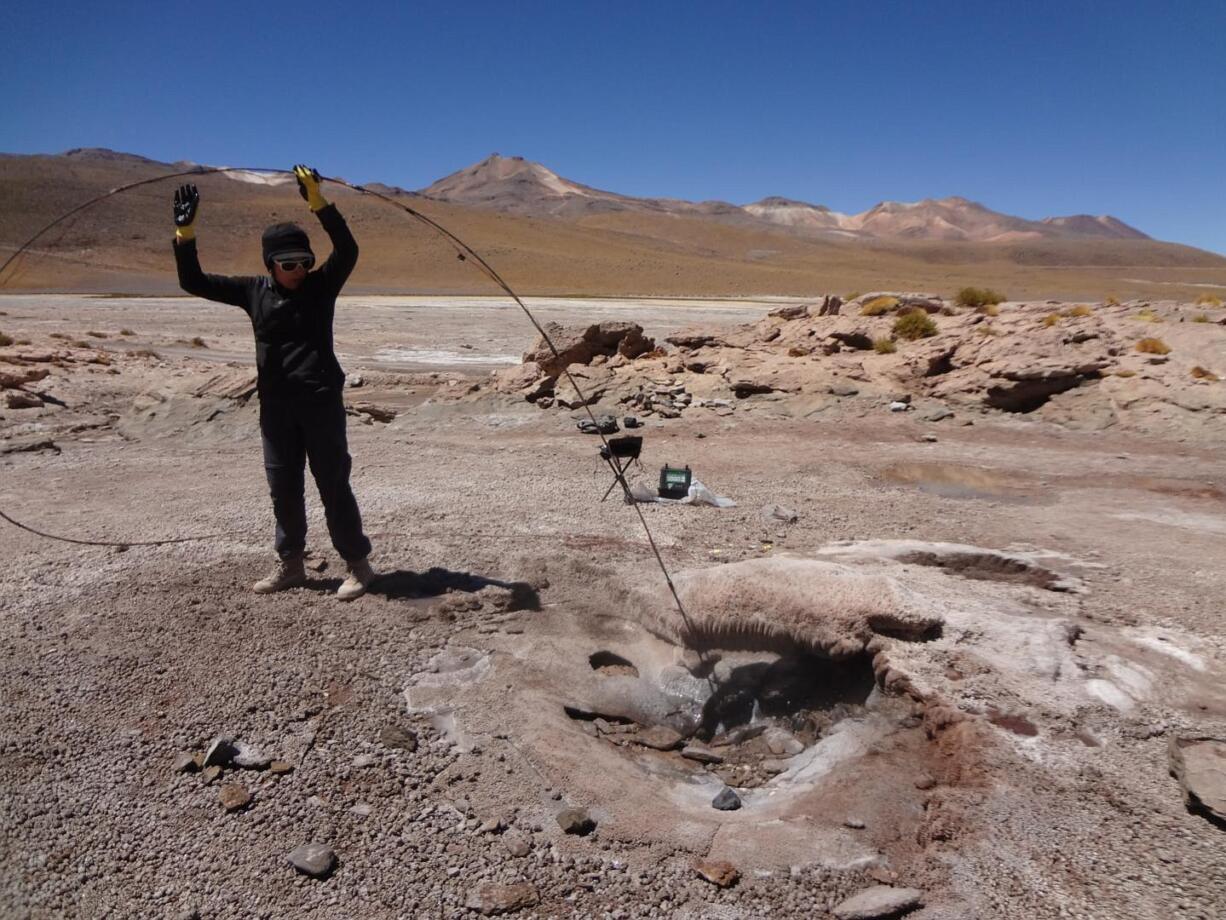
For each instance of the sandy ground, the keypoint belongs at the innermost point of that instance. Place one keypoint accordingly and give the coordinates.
(503, 574)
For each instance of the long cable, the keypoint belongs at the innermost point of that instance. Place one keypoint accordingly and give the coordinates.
(464, 252)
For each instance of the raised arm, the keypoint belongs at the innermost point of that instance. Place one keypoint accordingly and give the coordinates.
(335, 272)
(221, 288)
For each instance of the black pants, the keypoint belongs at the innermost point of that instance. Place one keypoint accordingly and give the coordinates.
(297, 429)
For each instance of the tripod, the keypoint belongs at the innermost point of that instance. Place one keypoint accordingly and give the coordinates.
(620, 454)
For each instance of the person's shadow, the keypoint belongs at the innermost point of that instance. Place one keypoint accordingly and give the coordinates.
(415, 586)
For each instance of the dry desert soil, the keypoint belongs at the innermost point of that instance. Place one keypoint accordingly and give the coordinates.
(961, 626)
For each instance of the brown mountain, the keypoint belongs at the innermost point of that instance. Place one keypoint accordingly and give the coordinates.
(514, 185)
(548, 235)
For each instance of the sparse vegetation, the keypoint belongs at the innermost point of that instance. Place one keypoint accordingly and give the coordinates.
(1201, 318)
(5, 339)
(126, 332)
(989, 309)
(1148, 316)
(884, 346)
(987, 329)
(1080, 310)
(95, 334)
(60, 335)
(978, 297)
(852, 296)
(81, 343)
(1208, 300)
(198, 342)
(1153, 347)
(914, 325)
(1201, 373)
(879, 306)
(1051, 319)
(1111, 300)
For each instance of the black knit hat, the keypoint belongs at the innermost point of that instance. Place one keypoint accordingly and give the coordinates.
(286, 241)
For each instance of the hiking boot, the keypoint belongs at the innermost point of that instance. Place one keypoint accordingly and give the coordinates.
(289, 573)
(357, 581)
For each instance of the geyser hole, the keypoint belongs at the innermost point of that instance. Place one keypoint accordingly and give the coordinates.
(988, 567)
(609, 664)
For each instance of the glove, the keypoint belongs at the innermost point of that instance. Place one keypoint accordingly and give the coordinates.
(308, 187)
(187, 202)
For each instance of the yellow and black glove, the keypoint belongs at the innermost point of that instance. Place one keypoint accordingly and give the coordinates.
(187, 203)
(308, 187)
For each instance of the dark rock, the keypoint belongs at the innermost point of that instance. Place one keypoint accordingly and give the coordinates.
(701, 753)
(220, 752)
(727, 800)
(398, 738)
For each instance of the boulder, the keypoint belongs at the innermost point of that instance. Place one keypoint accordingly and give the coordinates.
(579, 344)
(1199, 764)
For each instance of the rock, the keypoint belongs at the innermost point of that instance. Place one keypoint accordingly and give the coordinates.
(717, 872)
(1199, 764)
(925, 782)
(899, 407)
(579, 344)
(362, 761)
(233, 797)
(855, 824)
(701, 753)
(249, 757)
(780, 513)
(575, 821)
(929, 438)
(842, 389)
(20, 399)
(398, 738)
(210, 774)
(516, 843)
(313, 859)
(184, 763)
(937, 415)
(491, 825)
(774, 766)
(491, 898)
(354, 381)
(659, 737)
(360, 810)
(220, 752)
(744, 386)
(782, 743)
(727, 800)
(879, 901)
(280, 768)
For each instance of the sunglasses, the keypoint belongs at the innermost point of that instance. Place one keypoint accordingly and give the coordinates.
(291, 265)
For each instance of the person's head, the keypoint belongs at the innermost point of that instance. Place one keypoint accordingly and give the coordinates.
(287, 254)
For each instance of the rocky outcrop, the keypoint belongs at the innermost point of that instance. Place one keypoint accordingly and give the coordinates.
(580, 344)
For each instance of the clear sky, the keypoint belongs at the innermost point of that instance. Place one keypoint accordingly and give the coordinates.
(1033, 108)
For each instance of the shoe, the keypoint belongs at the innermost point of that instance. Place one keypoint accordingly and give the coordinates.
(357, 581)
(288, 574)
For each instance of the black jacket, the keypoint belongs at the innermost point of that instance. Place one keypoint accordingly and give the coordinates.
(293, 329)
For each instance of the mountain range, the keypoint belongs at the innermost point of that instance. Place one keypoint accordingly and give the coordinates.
(547, 234)
(517, 186)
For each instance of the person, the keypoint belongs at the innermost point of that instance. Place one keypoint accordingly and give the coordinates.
(302, 415)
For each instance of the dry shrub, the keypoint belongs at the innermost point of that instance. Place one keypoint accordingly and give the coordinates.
(1208, 300)
(1111, 300)
(914, 325)
(1201, 373)
(978, 297)
(852, 296)
(1051, 319)
(879, 306)
(989, 309)
(198, 342)
(1153, 347)
(987, 329)
(5, 339)
(81, 343)
(884, 346)
(1148, 316)
(126, 332)
(97, 335)
(1201, 318)
(60, 335)
(1079, 310)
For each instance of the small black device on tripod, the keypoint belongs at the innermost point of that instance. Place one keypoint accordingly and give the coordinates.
(620, 453)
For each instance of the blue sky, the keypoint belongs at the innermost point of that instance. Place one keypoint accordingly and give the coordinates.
(1033, 108)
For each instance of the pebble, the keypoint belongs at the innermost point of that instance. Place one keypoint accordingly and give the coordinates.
(233, 797)
(516, 843)
(925, 782)
(701, 753)
(365, 760)
(491, 898)
(575, 821)
(717, 872)
(280, 768)
(313, 859)
(879, 901)
(360, 810)
(184, 763)
(210, 774)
